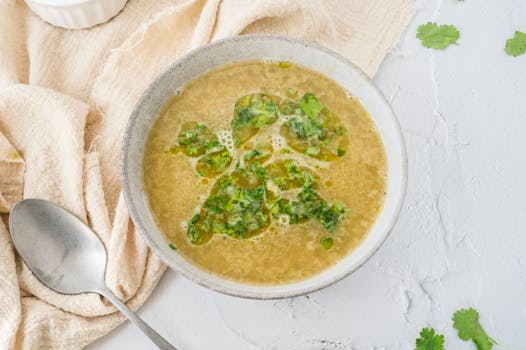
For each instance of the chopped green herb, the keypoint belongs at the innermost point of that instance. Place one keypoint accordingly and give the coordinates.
(172, 247)
(310, 204)
(254, 154)
(313, 130)
(240, 203)
(288, 107)
(303, 127)
(287, 175)
(284, 64)
(214, 164)
(258, 171)
(329, 216)
(236, 207)
(516, 46)
(252, 112)
(466, 322)
(437, 36)
(195, 139)
(310, 105)
(261, 153)
(312, 151)
(327, 243)
(340, 130)
(429, 340)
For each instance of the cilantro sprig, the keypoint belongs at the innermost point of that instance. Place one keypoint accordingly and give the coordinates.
(195, 139)
(313, 129)
(466, 322)
(436, 36)
(516, 46)
(429, 340)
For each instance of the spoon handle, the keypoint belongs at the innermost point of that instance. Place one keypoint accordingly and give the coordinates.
(153, 335)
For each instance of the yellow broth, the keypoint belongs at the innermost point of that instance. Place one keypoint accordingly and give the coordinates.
(282, 253)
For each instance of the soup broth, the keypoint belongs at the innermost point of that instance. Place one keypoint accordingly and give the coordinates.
(264, 172)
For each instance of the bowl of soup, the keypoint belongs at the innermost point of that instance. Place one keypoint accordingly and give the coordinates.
(263, 167)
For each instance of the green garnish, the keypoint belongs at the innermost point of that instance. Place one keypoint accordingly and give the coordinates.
(437, 36)
(214, 164)
(254, 154)
(243, 201)
(310, 204)
(304, 128)
(312, 151)
(466, 322)
(312, 129)
(429, 340)
(516, 46)
(236, 207)
(327, 243)
(252, 112)
(284, 64)
(329, 216)
(310, 105)
(288, 107)
(172, 247)
(195, 140)
(287, 175)
(259, 154)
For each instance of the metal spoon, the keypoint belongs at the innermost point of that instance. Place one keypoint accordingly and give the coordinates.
(66, 255)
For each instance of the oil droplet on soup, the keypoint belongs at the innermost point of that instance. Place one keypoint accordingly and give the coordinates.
(353, 173)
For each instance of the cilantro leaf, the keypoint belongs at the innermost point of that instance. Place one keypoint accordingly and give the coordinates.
(260, 153)
(516, 46)
(429, 340)
(195, 139)
(329, 216)
(436, 36)
(466, 322)
(304, 128)
(327, 243)
(251, 113)
(310, 105)
(313, 129)
(236, 207)
(287, 175)
(214, 163)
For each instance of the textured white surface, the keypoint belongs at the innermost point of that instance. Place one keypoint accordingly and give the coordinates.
(459, 241)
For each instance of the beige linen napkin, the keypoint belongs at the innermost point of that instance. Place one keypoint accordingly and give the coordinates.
(65, 97)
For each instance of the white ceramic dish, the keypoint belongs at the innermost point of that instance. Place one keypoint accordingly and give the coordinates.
(76, 14)
(247, 48)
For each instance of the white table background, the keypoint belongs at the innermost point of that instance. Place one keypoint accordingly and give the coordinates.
(460, 240)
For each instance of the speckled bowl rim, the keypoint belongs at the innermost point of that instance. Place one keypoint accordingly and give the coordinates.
(167, 257)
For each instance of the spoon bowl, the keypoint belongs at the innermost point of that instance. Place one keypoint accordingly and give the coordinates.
(60, 250)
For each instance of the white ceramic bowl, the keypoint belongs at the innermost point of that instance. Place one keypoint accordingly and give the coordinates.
(261, 47)
(76, 14)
